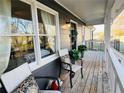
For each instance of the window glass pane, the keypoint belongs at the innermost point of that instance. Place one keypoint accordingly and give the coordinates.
(117, 33)
(21, 17)
(21, 51)
(47, 45)
(15, 17)
(46, 23)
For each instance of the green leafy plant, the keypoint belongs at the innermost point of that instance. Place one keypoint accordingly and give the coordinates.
(74, 54)
(81, 49)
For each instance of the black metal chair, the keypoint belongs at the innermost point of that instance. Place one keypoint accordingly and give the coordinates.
(72, 68)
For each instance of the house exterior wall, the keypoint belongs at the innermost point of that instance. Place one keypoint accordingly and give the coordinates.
(52, 68)
(80, 34)
(65, 16)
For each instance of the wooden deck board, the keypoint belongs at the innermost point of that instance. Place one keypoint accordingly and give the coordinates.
(86, 74)
(95, 79)
(89, 78)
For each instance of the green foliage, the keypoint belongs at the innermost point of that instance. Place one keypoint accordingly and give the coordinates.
(82, 48)
(74, 54)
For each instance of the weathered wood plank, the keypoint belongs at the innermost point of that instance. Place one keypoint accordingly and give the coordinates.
(76, 86)
(86, 74)
(95, 76)
(106, 87)
(95, 79)
(99, 86)
(89, 79)
(66, 86)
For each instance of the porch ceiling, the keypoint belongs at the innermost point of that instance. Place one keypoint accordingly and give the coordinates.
(92, 12)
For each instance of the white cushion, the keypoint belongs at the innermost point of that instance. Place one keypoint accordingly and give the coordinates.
(83, 59)
(49, 91)
(12, 79)
(75, 68)
(63, 52)
(66, 59)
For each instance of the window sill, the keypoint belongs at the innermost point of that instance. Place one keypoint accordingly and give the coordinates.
(35, 65)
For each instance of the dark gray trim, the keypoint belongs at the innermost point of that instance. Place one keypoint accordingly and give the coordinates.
(51, 69)
(3, 89)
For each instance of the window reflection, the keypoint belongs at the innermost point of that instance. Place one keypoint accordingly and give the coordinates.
(17, 17)
(47, 33)
(21, 26)
(16, 23)
(22, 50)
(46, 23)
(21, 17)
(47, 45)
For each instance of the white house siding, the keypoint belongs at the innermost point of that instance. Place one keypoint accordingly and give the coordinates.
(80, 35)
(65, 39)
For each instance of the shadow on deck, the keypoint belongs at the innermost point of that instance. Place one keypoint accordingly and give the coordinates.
(95, 78)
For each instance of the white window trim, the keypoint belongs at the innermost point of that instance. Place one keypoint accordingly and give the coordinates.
(43, 61)
(76, 23)
(45, 8)
(39, 62)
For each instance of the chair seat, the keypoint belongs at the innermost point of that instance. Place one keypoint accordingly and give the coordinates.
(75, 68)
(82, 59)
(65, 58)
(49, 91)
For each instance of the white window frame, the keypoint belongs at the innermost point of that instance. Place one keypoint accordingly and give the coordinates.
(29, 2)
(76, 23)
(42, 61)
(39, 62)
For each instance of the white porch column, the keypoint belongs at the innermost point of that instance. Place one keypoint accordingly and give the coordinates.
(92, 41)
(107, 31)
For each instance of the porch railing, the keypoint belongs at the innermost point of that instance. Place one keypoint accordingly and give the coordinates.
(116, 72)
(95, 45)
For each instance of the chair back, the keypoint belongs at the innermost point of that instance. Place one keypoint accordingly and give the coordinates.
(64, 55)
(12, 79)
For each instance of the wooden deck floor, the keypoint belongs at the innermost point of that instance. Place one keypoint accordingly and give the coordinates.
(95, 79)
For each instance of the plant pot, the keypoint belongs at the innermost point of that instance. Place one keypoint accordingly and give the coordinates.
(82, 54)
(72, 61)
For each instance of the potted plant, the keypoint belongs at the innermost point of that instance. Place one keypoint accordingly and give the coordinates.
(74, 55)
(81, 49)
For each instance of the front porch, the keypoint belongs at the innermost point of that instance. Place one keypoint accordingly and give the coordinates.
(95, 78)
(41, 28)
